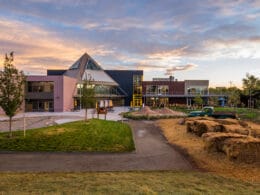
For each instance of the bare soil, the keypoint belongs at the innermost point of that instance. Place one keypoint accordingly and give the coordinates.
(158, 112)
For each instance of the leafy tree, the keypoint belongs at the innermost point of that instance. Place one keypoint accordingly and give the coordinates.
(251, 86)
(233, 96)
(218, 91)
(11, 89)
(88, 95)
(198, 100)
(213, 100)
(250, 83)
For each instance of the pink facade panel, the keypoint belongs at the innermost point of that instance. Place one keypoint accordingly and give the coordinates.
(69, 88)
(58, 89)
(1, 112)
(64, 89)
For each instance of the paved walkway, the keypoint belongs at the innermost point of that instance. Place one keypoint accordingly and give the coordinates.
(43, 119)
(152, 153)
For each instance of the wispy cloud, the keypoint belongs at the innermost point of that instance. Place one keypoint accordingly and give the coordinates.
(129, 34)
(39, 48)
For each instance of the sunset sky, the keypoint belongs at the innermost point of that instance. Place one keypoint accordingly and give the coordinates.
(217, 40)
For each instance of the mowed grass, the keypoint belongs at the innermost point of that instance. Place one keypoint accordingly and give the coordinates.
(169, 182)
(243, 113)
(95, 135)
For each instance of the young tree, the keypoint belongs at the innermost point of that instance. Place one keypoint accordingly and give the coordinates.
(251, 85)
(198, 100)
(88, 95)
(233, 96)
(11, 89)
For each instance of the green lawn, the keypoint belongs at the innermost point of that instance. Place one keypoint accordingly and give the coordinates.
(170, 182)
(243, 113)
(95, 135)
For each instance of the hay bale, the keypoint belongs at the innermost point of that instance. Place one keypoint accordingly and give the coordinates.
(214, 141)
(237, 128)
(198, 118)
(203, 126)
(243, 124)
(243, 149)
(199, 128)
(189, 127)
(255, 133)
(227, 121)
(212, 126)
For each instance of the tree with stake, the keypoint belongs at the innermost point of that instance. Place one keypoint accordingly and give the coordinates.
(11, 89)
(88, 95)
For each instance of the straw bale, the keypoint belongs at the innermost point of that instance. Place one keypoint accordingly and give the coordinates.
(236, 128)
(189, 126)
(203, 126)
(255, 133)
(243, 149)
(214, 141)
(228, 121)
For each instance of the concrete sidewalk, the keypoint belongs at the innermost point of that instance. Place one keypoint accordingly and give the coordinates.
(152, 153)
(42, 119)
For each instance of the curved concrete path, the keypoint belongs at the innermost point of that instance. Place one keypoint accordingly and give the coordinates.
(152, 153)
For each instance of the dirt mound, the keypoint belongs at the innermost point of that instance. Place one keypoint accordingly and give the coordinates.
(146, 111)
(167, 111)
(158, 112)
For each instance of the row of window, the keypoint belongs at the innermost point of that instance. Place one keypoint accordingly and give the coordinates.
(164, 90)
(39, 105)
(197, 90)
(157, 89)
(100, 90)
(40, 86)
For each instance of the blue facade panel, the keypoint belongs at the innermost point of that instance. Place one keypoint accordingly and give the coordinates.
(125, 80)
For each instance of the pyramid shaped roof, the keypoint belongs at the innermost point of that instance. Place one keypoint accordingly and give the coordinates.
(86, 67)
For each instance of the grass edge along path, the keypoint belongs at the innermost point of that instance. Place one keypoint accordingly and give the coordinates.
(166, 182)
(93, 136)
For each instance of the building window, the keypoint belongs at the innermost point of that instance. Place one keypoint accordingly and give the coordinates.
(163, 89)
(40, 86)
(197, 91)
(157, 89)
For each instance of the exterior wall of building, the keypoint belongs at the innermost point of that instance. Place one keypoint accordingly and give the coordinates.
(200, 85)
(58, 89)
(175, 87)
(69, 90)
(175, 92)
(1, 112)
(125, 80)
